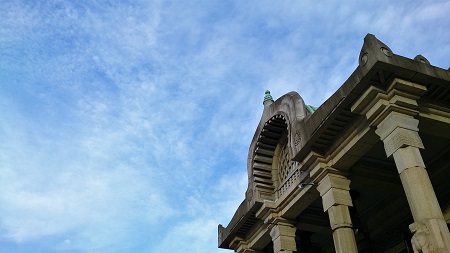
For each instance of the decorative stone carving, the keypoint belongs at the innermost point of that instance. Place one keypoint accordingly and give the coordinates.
(386, 51)
(364, 58)
(373, 50)
(287, 183)
(287, 170)
(285, 164)
(297, 138)
(399, 138)
(421, 239)
(422, 59)
(249, 194)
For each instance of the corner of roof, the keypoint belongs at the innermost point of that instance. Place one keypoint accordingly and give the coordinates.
(373, 50)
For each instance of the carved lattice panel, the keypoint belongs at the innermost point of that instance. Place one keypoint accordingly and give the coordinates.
(286, 165)
(287, 170)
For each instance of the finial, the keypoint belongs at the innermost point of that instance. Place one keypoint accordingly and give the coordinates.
(267, 97)
(373, 50)
(421, 59)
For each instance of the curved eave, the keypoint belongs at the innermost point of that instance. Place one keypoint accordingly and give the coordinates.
(321, 122)
(242, 221)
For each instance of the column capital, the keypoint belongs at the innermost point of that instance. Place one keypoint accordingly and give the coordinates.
(282, 227)
(332, 180)
(334, 190)
(401, 138)
(398, 130)
(283, 236)
(395, 120)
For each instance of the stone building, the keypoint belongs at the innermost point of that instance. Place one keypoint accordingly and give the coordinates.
(367, 171)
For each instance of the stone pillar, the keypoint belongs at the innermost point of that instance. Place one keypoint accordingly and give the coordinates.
(283, 237)
(399, 133)
(392, 113)
(334, 190)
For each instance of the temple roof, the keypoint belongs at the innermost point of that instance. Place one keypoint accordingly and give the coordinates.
(317, 129)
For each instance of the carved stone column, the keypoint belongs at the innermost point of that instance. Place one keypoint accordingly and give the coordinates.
(403, 143)
(283, 237)
(334, 190)
(392, 113)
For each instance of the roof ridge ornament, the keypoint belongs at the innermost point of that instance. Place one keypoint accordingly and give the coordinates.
(311, 109)
(373, 50)
(422, 59)
(268, 100)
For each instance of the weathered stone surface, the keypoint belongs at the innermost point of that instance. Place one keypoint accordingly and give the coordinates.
(283, 237)
(400, 138)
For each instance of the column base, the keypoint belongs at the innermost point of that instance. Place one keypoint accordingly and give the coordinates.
(430, 236)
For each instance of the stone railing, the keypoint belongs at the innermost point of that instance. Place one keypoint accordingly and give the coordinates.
(294, 176)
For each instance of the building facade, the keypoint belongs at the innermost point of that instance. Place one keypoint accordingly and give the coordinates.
(367, 171)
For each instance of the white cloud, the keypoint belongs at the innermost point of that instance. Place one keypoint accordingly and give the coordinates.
(126, 125)
(197, 229)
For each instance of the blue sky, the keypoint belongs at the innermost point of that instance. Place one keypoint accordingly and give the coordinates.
(125, 125)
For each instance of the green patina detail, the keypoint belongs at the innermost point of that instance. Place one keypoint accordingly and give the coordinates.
(311, 108)
(267, 97)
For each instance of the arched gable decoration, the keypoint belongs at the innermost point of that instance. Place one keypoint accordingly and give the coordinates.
(270, 167)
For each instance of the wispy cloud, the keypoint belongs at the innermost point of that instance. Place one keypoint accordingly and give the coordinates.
(125, 125)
